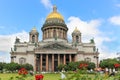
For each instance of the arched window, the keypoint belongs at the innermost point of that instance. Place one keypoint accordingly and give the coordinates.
(88, 59)
(22, 60)
(33, 38)
(77, 39)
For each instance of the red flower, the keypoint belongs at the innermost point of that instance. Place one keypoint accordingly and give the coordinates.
(83, 65)
(39, 77)
(23, 72)
(117, 65)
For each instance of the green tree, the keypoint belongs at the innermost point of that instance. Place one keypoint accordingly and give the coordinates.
(12, 66)
(72, 66)
(1, 66)
(27, 66)
(109, 63)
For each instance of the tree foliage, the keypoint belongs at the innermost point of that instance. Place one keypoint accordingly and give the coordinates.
(27, 66)
(2, 65)
(72, 66)
(108, 63)
(13, 67)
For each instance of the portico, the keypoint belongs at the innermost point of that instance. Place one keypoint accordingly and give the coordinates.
(50, 62)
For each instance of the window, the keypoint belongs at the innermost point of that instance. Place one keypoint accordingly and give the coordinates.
(88, 59)
(77, 39)
(33, 38)
(22, 60)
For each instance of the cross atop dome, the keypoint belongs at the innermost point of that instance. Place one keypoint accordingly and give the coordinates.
(54, 14)
(54, 8)
(76, 30)
(34, 28)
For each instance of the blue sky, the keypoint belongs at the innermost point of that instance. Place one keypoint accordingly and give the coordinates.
(98, 19)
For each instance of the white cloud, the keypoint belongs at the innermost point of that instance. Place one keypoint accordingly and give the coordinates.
(2, 59)
(7, 41)
(90, 29)
(108, 54)
(115, 20)
(47, 3)
(117, 5)
(5, 57)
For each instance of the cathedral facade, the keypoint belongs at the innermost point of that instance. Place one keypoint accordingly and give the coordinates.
(54, 48)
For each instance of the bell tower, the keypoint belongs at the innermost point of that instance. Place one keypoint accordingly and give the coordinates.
(76, 36)
(33, 36)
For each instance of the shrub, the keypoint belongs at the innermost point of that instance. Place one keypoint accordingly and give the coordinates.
(60, 67)
(27, 66)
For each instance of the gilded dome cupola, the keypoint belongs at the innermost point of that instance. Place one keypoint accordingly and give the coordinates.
(33, 35)
(34, 31)
(76, 32)
(54, 26)
(76, 36)
(54, 14)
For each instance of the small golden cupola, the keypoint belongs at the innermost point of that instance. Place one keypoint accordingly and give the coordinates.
(33, 35)
(76, 36)
(34, 31)
(76, 31)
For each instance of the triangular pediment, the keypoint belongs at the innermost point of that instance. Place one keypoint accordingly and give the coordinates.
(56, 46)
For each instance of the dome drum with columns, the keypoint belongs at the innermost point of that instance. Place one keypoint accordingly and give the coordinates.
(54, 48)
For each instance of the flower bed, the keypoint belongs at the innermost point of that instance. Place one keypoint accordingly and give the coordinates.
(39, 77)
(23, 72)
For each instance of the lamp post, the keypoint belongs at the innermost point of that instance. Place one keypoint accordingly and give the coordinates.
(97, 60)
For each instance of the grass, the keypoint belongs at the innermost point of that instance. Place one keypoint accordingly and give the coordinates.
(7, 76)
(57, 76)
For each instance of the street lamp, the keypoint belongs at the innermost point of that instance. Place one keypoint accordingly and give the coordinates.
(97, 60)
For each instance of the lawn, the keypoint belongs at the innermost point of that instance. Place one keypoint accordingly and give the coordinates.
(51, 76)
(7, 76)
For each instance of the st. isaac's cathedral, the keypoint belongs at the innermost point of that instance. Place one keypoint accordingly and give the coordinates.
(54, 48)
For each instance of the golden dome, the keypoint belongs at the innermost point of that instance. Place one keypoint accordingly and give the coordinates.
(34, 28)
(76, 30)
(34, 31)
(55, 14)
